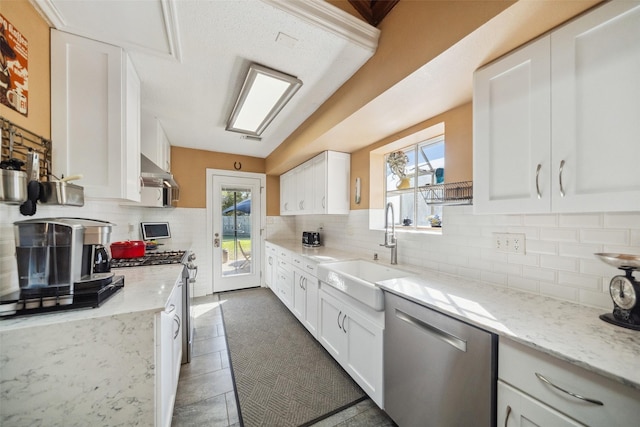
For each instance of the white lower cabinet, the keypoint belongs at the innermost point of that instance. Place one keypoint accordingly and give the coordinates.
(168, 356)
(536, 389)
(284, 282)
(270, 265)
(354, 338)
(516, 409)
(305, 294)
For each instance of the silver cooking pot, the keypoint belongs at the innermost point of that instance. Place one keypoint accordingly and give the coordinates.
(13, 186)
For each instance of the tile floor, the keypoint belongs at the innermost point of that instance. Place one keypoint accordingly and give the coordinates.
(206, 395)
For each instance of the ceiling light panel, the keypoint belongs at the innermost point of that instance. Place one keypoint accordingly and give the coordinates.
(264, 93)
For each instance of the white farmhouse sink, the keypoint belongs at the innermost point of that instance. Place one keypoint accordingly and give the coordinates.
(357, 278)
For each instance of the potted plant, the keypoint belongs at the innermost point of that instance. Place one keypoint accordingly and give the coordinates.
(397, 162)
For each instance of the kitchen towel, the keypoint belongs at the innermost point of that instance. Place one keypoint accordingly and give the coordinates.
(283, 376)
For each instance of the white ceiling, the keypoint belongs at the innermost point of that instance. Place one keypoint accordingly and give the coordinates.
(192, 56)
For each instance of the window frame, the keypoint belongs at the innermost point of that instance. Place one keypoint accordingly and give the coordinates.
(416, 199)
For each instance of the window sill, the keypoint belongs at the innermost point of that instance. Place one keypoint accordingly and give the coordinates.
(437, 231)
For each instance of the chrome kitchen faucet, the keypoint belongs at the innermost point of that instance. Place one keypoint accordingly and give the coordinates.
(390, 239)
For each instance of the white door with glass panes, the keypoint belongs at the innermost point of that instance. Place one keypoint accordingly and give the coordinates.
(236, 210)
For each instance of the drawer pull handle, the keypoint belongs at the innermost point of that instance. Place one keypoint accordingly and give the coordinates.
(577, 396)
(433, 331)
(506, 417)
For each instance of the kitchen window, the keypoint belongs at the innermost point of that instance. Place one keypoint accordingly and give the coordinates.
(408, 171)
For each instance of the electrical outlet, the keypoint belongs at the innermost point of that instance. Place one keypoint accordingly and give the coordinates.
(518, 241)
(131, 228)
(511, 243)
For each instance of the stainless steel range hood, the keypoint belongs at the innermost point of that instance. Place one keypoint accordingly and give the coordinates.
(153, 176)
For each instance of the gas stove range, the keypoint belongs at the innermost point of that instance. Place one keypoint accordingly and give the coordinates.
(150, 258)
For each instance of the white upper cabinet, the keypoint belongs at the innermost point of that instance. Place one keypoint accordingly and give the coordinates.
(595, 99)
(288, 193)
(318, 186)
(556, 122)
(154, 143)
(512, 121)
(95, 116)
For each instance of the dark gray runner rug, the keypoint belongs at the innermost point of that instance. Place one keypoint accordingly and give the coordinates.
(283, 376)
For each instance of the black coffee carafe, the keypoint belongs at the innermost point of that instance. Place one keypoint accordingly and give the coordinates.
(101, 262)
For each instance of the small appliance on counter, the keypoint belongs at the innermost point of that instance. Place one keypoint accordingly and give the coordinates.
(624, 291)
(311, 239)
(62, 264)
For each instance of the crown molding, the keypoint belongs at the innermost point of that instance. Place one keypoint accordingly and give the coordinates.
(326, 16)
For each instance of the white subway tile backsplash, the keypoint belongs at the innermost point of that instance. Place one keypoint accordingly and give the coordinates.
(595, 299)
(559, 234)
(605, 237)
(559, 263)
(541, 220)
(580, 280)
(541, 247)
(622, 220)
(523, 284)
(528, 259)
(579, 250)
(633, 250)
(508, 220)
(506, 268)
(596, 267)
(591, 220)
(495, 278)
(539, 274)
(555, 290)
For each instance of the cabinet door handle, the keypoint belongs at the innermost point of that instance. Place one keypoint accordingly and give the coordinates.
(339, 314)
(304, 283)
(577, 396)
(538, 180)
(177, 320)
(323, 200)
(172, 308)
(343, 319)
(506, 417)
(560, 175)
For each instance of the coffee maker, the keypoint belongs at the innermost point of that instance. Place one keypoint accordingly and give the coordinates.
(62, 256)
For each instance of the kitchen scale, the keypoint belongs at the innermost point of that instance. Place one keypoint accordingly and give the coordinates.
(624, 291)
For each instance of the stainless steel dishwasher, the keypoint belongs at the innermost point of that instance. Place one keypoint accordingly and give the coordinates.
(438, 371)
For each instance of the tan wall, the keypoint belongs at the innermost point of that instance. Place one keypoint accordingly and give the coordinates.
(35, 29)
(412, 34)
(458, 125)
(189, 168)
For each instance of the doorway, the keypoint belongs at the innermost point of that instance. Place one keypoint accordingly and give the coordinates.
(236, 213)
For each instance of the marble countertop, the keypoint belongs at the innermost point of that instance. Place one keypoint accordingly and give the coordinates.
(566, 330)
(318, 254)
(145, 289)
